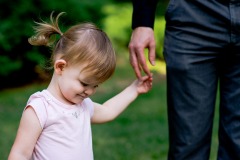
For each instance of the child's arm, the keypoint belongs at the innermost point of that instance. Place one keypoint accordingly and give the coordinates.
(27, 135)
(116, 105)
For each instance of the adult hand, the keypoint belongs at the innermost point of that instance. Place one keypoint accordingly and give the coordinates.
(142, 38)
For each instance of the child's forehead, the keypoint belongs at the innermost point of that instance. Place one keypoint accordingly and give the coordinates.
(88, 78)
(90, 74)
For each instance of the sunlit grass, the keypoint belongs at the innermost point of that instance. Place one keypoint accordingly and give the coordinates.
(139, 133)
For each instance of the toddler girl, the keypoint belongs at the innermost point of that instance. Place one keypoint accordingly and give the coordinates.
(56, 122)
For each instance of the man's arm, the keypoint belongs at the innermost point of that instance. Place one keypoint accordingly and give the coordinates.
(143, 13)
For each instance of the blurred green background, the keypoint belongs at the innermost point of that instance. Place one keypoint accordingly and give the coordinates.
(141, 132)
(21, 62)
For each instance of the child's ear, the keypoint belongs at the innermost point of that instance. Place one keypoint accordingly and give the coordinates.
(59, 66)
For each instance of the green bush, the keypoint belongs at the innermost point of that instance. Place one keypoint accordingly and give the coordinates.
(18, 58)
(21, 62)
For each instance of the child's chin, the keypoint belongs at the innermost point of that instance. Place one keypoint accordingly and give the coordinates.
(78, 101)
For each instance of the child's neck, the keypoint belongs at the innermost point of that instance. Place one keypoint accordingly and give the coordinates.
(54, 89)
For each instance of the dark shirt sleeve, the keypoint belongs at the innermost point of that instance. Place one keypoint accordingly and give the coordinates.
(143, 13)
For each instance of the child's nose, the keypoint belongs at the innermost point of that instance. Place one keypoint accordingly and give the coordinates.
(89, 90)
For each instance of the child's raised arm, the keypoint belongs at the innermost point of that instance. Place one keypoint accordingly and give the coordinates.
(116, 105)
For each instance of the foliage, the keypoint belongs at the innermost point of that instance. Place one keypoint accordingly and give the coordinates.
(19, 59)
(159, 36)
(117, 24)
(21, 63)
(10, 65)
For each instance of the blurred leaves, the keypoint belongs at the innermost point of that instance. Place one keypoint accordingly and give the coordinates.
(10, 65)
(118, 23)
(19, 59)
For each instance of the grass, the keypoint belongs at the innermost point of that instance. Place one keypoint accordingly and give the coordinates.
(139, 133)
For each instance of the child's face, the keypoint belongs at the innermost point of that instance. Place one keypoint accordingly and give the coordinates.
(73, 85)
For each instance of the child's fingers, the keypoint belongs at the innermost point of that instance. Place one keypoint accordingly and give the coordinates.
(145, 78)
(149, 84)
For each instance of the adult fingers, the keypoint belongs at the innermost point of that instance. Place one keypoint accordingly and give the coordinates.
(134, 62)
(142, 61)
(152, 53)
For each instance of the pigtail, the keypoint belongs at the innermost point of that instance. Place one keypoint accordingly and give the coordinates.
(44, 32)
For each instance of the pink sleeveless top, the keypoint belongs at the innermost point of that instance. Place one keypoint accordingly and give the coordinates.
(66, 129)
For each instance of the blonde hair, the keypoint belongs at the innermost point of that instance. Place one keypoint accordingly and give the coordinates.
(83, 44)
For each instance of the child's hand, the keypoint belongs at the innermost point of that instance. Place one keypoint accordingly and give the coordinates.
(143, 85)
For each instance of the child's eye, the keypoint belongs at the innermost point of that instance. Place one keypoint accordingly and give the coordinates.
(84, 84)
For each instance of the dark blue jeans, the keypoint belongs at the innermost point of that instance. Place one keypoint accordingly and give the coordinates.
(202, 52)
